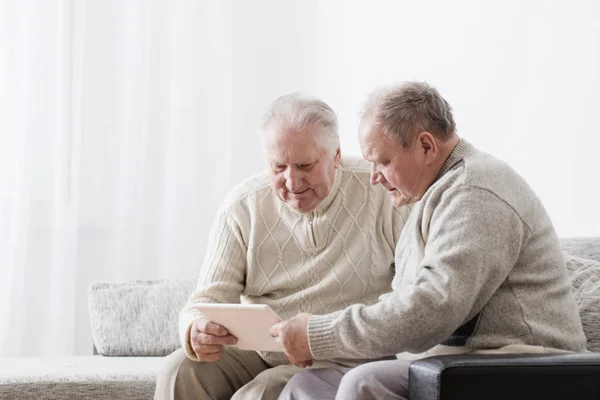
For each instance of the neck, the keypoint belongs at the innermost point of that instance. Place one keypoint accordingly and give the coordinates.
(456, 154)
(444, 151)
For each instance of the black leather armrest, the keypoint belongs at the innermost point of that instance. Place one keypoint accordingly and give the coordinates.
(502, 377)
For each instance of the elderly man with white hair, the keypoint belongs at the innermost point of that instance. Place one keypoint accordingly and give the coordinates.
(479, 267)
(310, 234)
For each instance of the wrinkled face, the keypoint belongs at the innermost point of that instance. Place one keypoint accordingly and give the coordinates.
(401, 171)
(302, 172)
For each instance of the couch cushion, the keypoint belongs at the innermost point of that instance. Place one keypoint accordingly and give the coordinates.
(585, 247)
(79, 377)
(585, 279)
(137, 318)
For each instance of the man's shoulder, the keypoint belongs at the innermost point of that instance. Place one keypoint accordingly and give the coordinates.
(356, 180)
(355, 168)
(483, 174)
(487, 172)
(480, 169)
(257, 184)
(355, 164)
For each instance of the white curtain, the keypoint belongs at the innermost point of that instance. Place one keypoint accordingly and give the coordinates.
(123, 124)
(116, 148)
(107, 170)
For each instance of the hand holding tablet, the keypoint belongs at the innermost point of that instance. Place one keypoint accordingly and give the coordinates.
(250, 323)
(207, 339)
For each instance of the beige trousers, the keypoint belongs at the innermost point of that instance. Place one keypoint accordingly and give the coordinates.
(238, 375)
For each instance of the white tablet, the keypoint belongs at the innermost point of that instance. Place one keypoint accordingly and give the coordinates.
(250, 323)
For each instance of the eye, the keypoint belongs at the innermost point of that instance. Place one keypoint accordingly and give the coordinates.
(305, 166)
(278, 168)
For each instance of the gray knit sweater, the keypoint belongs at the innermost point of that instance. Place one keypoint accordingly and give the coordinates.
(478, 266)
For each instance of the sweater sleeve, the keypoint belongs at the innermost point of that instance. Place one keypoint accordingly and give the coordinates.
(473, 242)
(222, 275)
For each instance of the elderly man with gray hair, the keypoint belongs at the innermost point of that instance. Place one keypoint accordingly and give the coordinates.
(479, 267)
(310, 234)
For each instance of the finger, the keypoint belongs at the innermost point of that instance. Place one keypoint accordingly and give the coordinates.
(210, 357)
(212, 328)
(291, 360)
(299, 364)
(305, 363)
(205, 339)
(210, 348)
(197, 352)
(279, 342)
(275, 329)
(197, 349)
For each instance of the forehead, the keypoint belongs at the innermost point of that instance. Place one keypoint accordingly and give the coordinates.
(291, 146)
(371, 139)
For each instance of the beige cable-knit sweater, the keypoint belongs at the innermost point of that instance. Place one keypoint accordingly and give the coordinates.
(479, 268)
(263, 251)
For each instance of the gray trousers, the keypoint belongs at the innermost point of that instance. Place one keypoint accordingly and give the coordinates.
(238, 375)
(374, 380)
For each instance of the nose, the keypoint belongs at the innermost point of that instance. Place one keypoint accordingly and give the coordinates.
(376, 177)
(293, 179)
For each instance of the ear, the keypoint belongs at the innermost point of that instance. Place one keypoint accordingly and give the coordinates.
(337, 158)
(429, 146)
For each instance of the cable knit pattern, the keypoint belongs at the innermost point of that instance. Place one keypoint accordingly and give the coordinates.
(263, 251)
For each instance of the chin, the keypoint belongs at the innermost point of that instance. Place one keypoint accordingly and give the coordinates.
(306, 209)
(302, 205)
(399, 201)
(298, 206)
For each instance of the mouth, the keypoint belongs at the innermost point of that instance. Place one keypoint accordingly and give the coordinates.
(300, 192)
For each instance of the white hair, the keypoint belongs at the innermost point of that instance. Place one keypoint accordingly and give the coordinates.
(296, 111)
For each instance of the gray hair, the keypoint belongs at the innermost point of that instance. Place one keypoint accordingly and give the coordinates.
(297, 110)
(403, 110)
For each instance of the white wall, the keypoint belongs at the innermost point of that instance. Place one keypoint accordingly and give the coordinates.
(522, 77)
(273, 53)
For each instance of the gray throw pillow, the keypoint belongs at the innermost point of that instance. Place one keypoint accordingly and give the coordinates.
(584, 247)
(137, 318)
(585, 280)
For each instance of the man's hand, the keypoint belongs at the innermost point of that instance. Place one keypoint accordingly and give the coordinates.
(207, 339)
(292, 335)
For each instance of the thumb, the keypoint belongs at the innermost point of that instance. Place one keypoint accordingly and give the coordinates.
(274, 329)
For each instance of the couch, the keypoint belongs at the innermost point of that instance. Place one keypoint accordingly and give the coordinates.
(134, 327)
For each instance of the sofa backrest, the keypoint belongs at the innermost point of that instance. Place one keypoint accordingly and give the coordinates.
(137, 318)
(583, 262)
(140, 318)
(585, 247)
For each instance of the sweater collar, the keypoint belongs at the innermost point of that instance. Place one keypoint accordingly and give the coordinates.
(457, 154)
